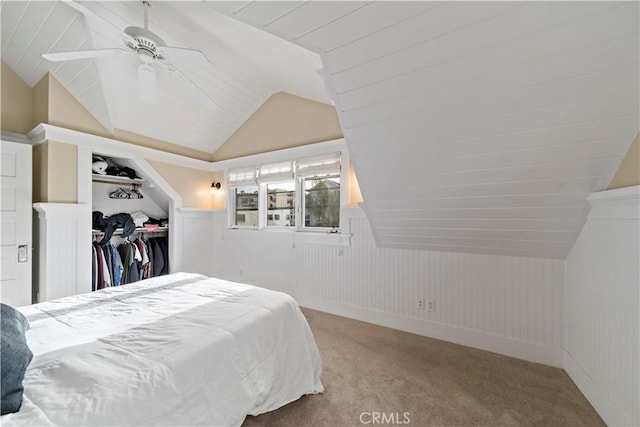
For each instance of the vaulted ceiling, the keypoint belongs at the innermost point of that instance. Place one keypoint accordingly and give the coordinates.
(472, 126)
(247, 65)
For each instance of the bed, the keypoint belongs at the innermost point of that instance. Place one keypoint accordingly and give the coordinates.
(182, 349)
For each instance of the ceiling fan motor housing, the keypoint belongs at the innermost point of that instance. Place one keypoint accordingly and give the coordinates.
(147, 42)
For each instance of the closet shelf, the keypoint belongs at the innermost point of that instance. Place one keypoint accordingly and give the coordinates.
(112, 179)
(118, 231)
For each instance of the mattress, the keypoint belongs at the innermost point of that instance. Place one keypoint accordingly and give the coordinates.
(182, 349)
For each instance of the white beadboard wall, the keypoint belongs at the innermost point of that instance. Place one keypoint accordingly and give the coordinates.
(192, 231)
(509, 305)
(602, 306)
(62, 239)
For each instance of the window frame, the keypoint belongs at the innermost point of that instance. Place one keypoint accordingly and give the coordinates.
(302, 204)
(337, 147)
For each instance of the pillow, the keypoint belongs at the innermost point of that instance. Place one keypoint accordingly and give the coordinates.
(15, 357)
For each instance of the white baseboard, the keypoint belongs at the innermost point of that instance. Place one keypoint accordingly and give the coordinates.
(519, 349)
(603, 405)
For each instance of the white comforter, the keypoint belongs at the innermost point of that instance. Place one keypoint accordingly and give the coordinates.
(180, 350)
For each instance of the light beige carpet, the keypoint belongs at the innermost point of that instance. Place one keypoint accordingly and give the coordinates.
(368, 368)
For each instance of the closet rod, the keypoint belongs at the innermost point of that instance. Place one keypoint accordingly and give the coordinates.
(114, 182)
(118, 232)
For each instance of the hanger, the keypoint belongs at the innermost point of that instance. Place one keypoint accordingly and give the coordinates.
(120, 193)
(123, 193)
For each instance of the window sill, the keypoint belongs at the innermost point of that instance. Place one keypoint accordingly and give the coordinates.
(317, 237)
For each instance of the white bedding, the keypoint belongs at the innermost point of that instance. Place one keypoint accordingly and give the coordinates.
(182, 349)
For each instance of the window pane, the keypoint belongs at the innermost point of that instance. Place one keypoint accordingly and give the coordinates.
(281, 204)
(247, 206)
(322, 202)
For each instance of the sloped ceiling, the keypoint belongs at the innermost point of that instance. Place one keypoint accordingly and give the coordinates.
(29, 29)
(248, 65)
(474, 126)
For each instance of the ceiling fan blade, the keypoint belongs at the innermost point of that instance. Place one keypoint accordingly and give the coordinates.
(83, 54)
(184, 56)
(188, 83)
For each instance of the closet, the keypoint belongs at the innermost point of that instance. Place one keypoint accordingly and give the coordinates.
(130, 225)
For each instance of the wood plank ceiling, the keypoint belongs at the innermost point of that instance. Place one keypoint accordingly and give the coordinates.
(29, 29)
(248, 65)
(474, 126)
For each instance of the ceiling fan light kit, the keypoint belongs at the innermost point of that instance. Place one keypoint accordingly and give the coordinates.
(147, 83)
(152, 51)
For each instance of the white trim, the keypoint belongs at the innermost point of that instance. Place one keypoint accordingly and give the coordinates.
(621, 203)
(85, 183)
(297, 237)
(345, 186)
(605, 407)
(519, 349)
(175, 201)
(113, 147)
(14, 137)
(50, 210)
(282, 155)
(110, 147)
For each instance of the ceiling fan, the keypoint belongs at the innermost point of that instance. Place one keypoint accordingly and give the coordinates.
(149, 48)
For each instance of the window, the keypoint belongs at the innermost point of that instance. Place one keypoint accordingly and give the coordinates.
(322, 201)
(281, 204)
(300, 194)
(246, 206)
(320, 188)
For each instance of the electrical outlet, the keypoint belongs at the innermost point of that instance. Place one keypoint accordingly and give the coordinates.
(420, 304)
(431, 305)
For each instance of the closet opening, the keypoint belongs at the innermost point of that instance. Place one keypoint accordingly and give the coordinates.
(130, 224)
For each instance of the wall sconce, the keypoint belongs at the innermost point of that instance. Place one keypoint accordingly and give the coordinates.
(214, 186)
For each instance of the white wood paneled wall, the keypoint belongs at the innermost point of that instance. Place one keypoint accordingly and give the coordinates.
(62, 240)
(475, 127)
(510, 305)
(602, 306)
(193, 231)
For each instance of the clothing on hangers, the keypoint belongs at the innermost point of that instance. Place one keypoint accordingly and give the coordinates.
(135, 258)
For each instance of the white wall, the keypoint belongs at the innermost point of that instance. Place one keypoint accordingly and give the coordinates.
(63, 245)
(194, 229)
(101, 202)
(602, 306)
(510, 305)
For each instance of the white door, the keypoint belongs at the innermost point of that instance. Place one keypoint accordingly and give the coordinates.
(15, 224)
